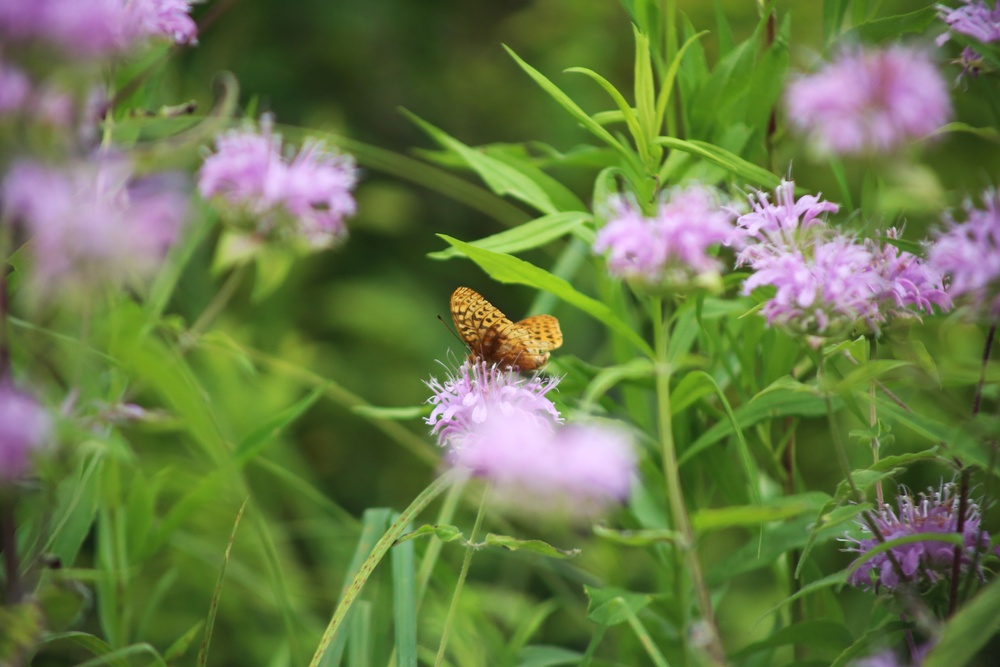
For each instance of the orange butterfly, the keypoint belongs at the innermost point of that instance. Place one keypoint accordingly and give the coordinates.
(494, 339)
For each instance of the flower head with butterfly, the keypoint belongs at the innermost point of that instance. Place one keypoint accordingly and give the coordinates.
(499, 424)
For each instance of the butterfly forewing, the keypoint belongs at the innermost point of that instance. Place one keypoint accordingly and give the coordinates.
(495, 339)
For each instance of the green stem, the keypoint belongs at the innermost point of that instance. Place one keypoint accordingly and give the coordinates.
(380, 549)
(461, 581)
(671, 472)
(218, 303)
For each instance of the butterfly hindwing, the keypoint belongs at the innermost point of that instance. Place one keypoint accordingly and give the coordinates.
(492, 337)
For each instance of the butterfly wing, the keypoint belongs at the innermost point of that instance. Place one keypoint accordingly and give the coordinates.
(480, 324)
(544, 331)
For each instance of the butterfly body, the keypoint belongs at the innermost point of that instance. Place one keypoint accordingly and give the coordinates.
(493, 338)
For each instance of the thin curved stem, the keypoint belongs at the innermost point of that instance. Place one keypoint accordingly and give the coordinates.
(466, 562)
(671, 473)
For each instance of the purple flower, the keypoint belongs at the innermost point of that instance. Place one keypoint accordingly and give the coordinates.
(96, 28)
(907, 281)
(14, 88)
(925, 561)
(824, 289)
(24, 429)
(869, 101)
(673, 246)
(770, 229)
(94, 224)
(500, 425)
(969, 254)
(975, 19)
(307, 197)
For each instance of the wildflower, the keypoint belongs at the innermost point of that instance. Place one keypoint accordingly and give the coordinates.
(501, 426)
(969, 254)
(869, 101)
(98, 27)
(24, 429)
(14, 89)
(975, 19)
(906, 281)
(673, 246)
(307, 197)
(93, 224)
(924, 562)
(823, 289)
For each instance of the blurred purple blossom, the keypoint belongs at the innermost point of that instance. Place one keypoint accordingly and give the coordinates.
(97, 27)
(825, 288)
(94, 224)
(500, 425)
(907, 281)
(974, 18)
(312, 190)
(925, 561)
(671, 247)
(869, 101)
(969, 254)
(24, 429)
(15, 87)
(827, 283)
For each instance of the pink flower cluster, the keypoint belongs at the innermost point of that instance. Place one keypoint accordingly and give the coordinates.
(671, 247)
(501, 426)
(308, 196)
(969, 253)
(869, 101)
(827, 283)
(974, 18)
(24, 428)
(926, 561)
(93, 224)
(96, 28)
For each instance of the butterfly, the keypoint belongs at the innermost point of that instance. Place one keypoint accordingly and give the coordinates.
(493, 338)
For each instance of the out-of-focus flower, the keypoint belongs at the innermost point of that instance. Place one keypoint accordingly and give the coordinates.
(15, 87)
(308, 196)
(969, 254)
(96, 28)
(924, 562)
(907, 281)
(501, 426)
(869, 101)
(827, 283)
(773, 228)
(974, 18)
(24, 429)
(824, 289)
(93, 224)
(673, 246)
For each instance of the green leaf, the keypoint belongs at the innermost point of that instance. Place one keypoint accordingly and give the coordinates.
(864, 373)
(404, 603)
(547, 656)
(645, 91)
(274, 262)
(667, 85)
(984, 132)
(180, 646)
(567, 103)
(511, 270)
(776, 509)
(968, 630)
(729, 161)
(501, 178)
(782, 398)
(255, 441)
(607, 378)
(812, 633)
(608, 604)
(391, 414)
(213, 608)
(625, 111)
(639, 538)
(528, 236)
(444, 532)
(534, 546)
(876, 637)
(892, 27)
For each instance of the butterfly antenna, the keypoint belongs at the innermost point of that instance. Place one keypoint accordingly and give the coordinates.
(452, 331)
